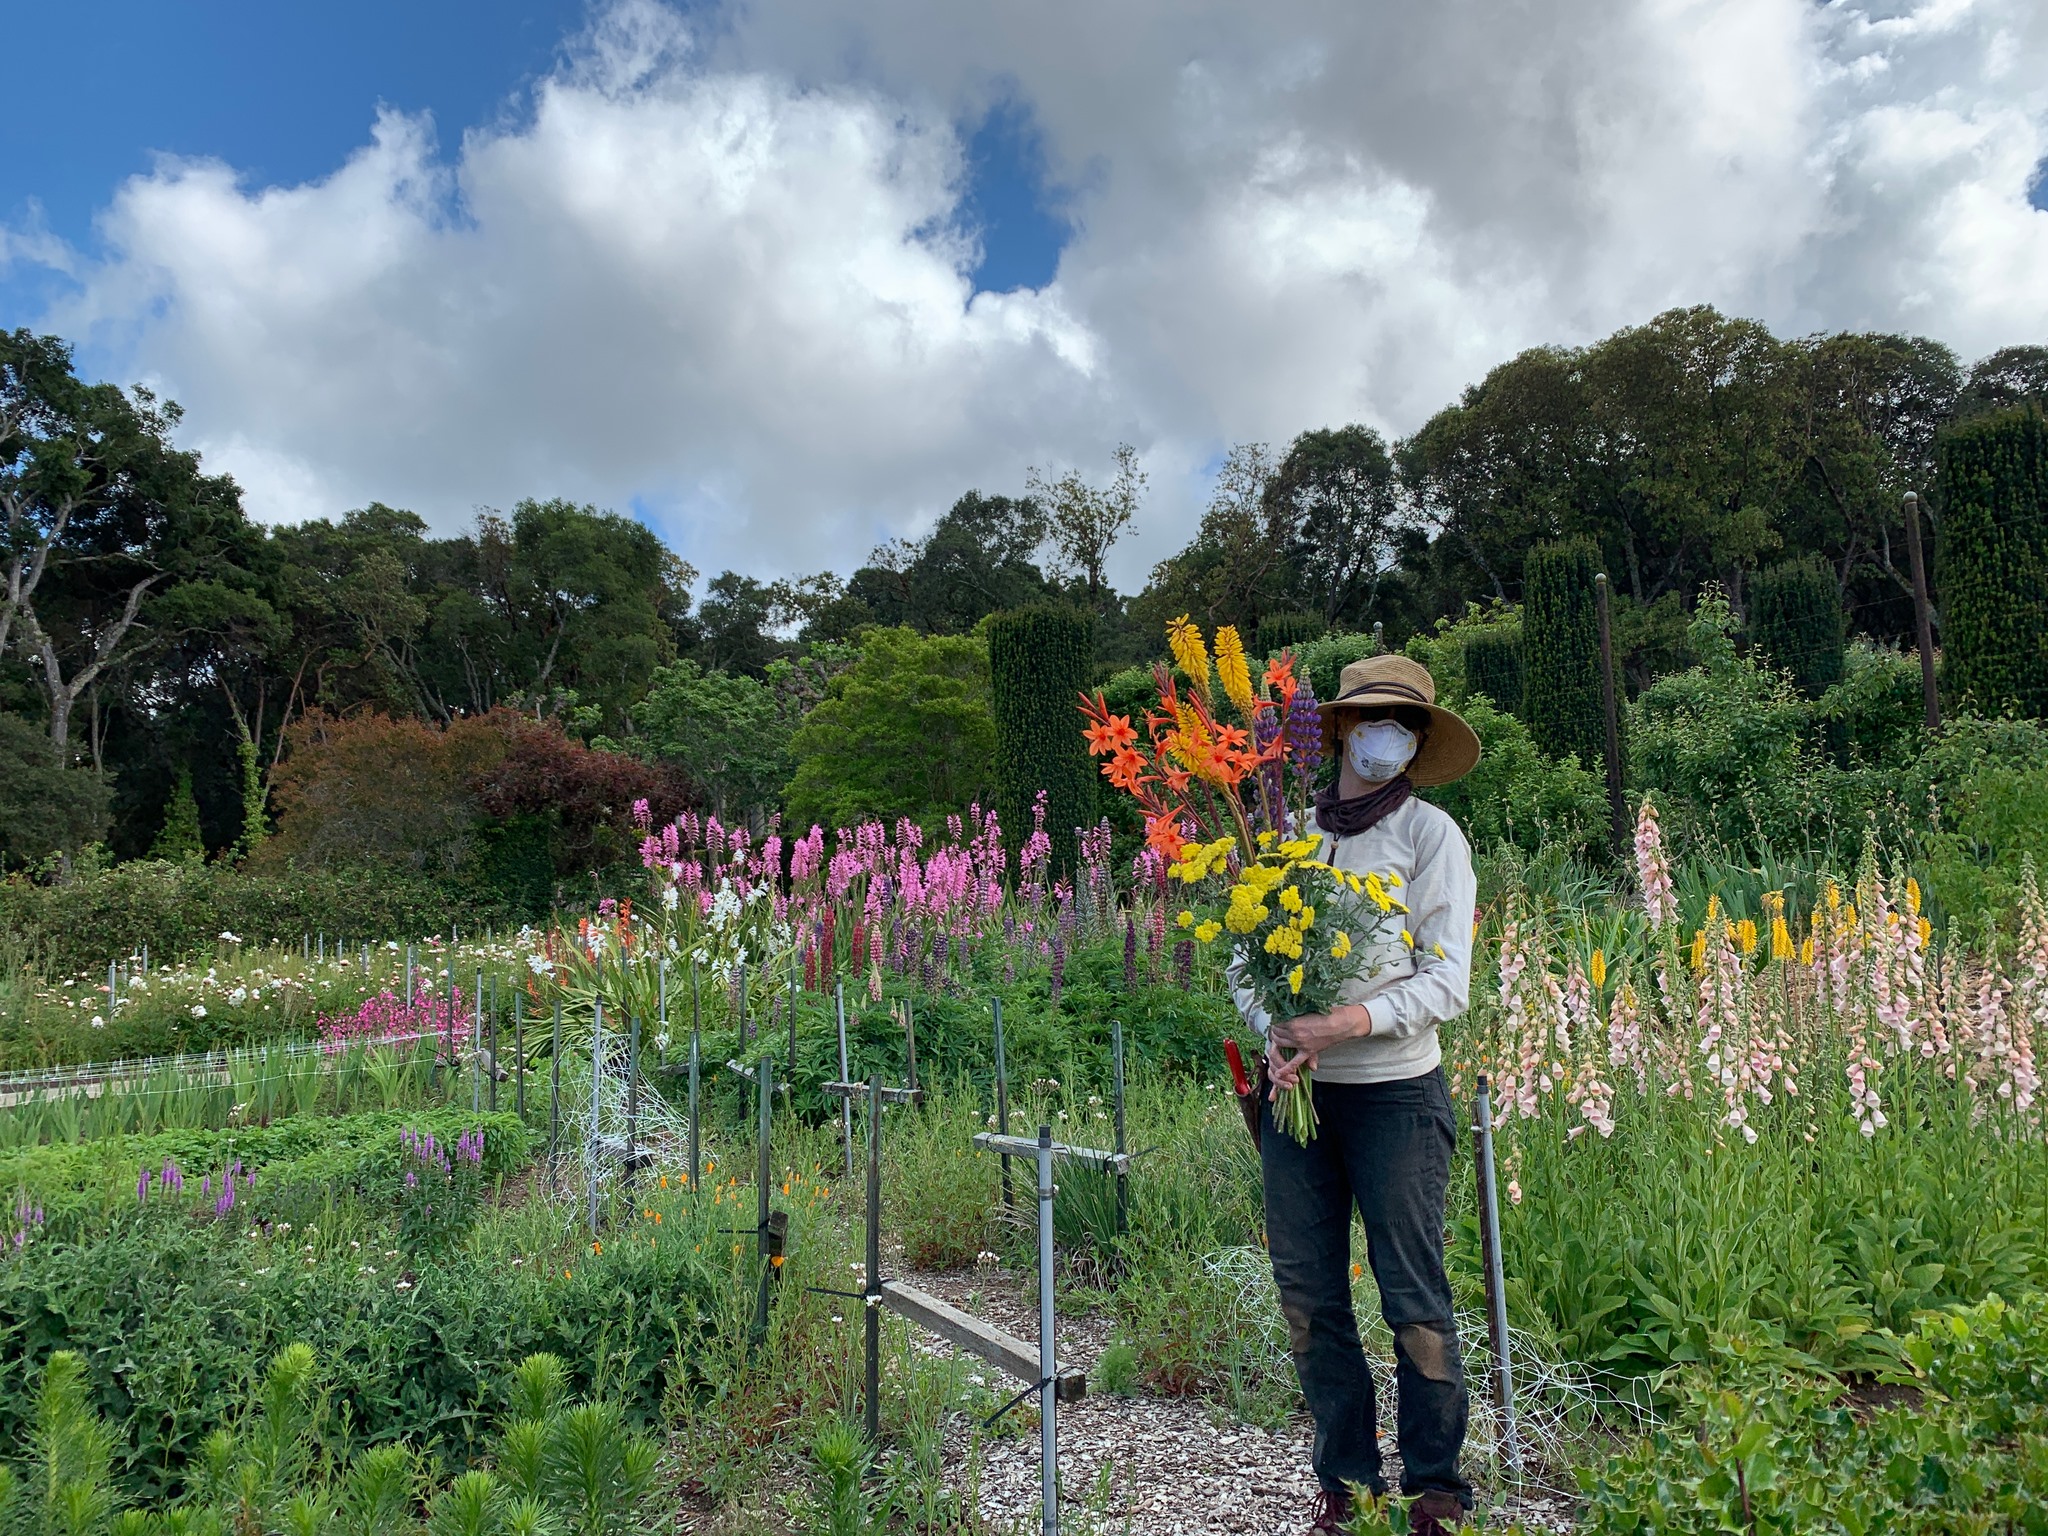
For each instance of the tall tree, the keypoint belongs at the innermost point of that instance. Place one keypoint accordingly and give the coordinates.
(1337, 494)
(1086, 521)
(102, 515)
(1237, 568)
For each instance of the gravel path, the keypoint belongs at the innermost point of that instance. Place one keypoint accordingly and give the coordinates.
(1146, 1466)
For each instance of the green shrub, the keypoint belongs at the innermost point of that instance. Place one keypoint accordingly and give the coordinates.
(1993, 567)
(1038, 669)
(1493, 666)
(46, 807)
(1517, 795)
(180, 909)
(1321, 662)
(1281, 631)
(1561, 693)
(1772, 1456)
(1727, 747)
(1986, 784)
(575, 1468)
(1874, 716)
(1795, 619)
(178, 1315)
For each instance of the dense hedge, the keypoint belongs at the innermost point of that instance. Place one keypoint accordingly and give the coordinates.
(180, 909)
(1993, 568)
(1282, 631)
(1795, 619)
(1561, 653)
(1039, 666)
(1493, 666)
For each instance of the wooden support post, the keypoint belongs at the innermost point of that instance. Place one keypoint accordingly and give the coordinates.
(965, 1331)
(1617, 794)
(1496, 1285)
(1003, 1106)
(743, 1010)
(845, 1105)
(1923, 613)
(871, 1292)
(795, 979)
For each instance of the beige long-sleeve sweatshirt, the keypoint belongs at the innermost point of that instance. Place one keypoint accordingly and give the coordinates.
(1409, 991)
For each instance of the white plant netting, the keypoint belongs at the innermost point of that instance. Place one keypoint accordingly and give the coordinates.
(660, 1129)
(1559, 1405)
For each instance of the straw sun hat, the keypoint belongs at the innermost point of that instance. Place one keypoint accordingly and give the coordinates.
(1449, 748)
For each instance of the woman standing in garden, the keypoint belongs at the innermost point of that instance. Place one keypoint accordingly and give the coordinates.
(1385, 1130)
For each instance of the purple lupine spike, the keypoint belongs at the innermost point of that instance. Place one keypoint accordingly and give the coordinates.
(142, 1187)
(412, 1181)
(206, 1187)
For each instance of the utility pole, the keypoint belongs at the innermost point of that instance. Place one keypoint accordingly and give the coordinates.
(1923, 613)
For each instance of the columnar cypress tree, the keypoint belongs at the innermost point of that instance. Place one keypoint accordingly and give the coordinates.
(179, 841)
(1561, 653)
(1038, 667)
(1993, 569)
(1795, 618)
(1493, 666)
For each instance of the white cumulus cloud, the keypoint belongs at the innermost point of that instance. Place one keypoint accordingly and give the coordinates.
(721, 280)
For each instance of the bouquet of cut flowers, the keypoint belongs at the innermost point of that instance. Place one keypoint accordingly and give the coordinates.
(1295, 923)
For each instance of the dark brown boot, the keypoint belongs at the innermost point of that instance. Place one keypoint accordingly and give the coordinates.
(1328, 1514)
(1436, 1514)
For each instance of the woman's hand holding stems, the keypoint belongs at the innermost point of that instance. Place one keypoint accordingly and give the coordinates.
(1294, 1044)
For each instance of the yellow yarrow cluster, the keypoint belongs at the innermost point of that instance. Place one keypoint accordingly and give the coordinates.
(1198, 861)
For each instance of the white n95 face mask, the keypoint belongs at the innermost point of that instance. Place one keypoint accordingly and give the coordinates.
(1379, 749)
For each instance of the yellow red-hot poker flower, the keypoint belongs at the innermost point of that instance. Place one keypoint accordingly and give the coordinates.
(1189, 654)
(1232, 670)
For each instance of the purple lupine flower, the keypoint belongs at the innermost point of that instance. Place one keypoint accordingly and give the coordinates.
(142, 1187)
(172, 1177)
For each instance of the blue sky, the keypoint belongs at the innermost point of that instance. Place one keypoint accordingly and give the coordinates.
(284, 91)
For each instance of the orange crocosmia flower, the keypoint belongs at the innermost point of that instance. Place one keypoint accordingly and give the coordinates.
(1231, 736)
(1177, 780)
(1113, 734)
(1126, 770)
(1163, 836)
(1280, 676)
